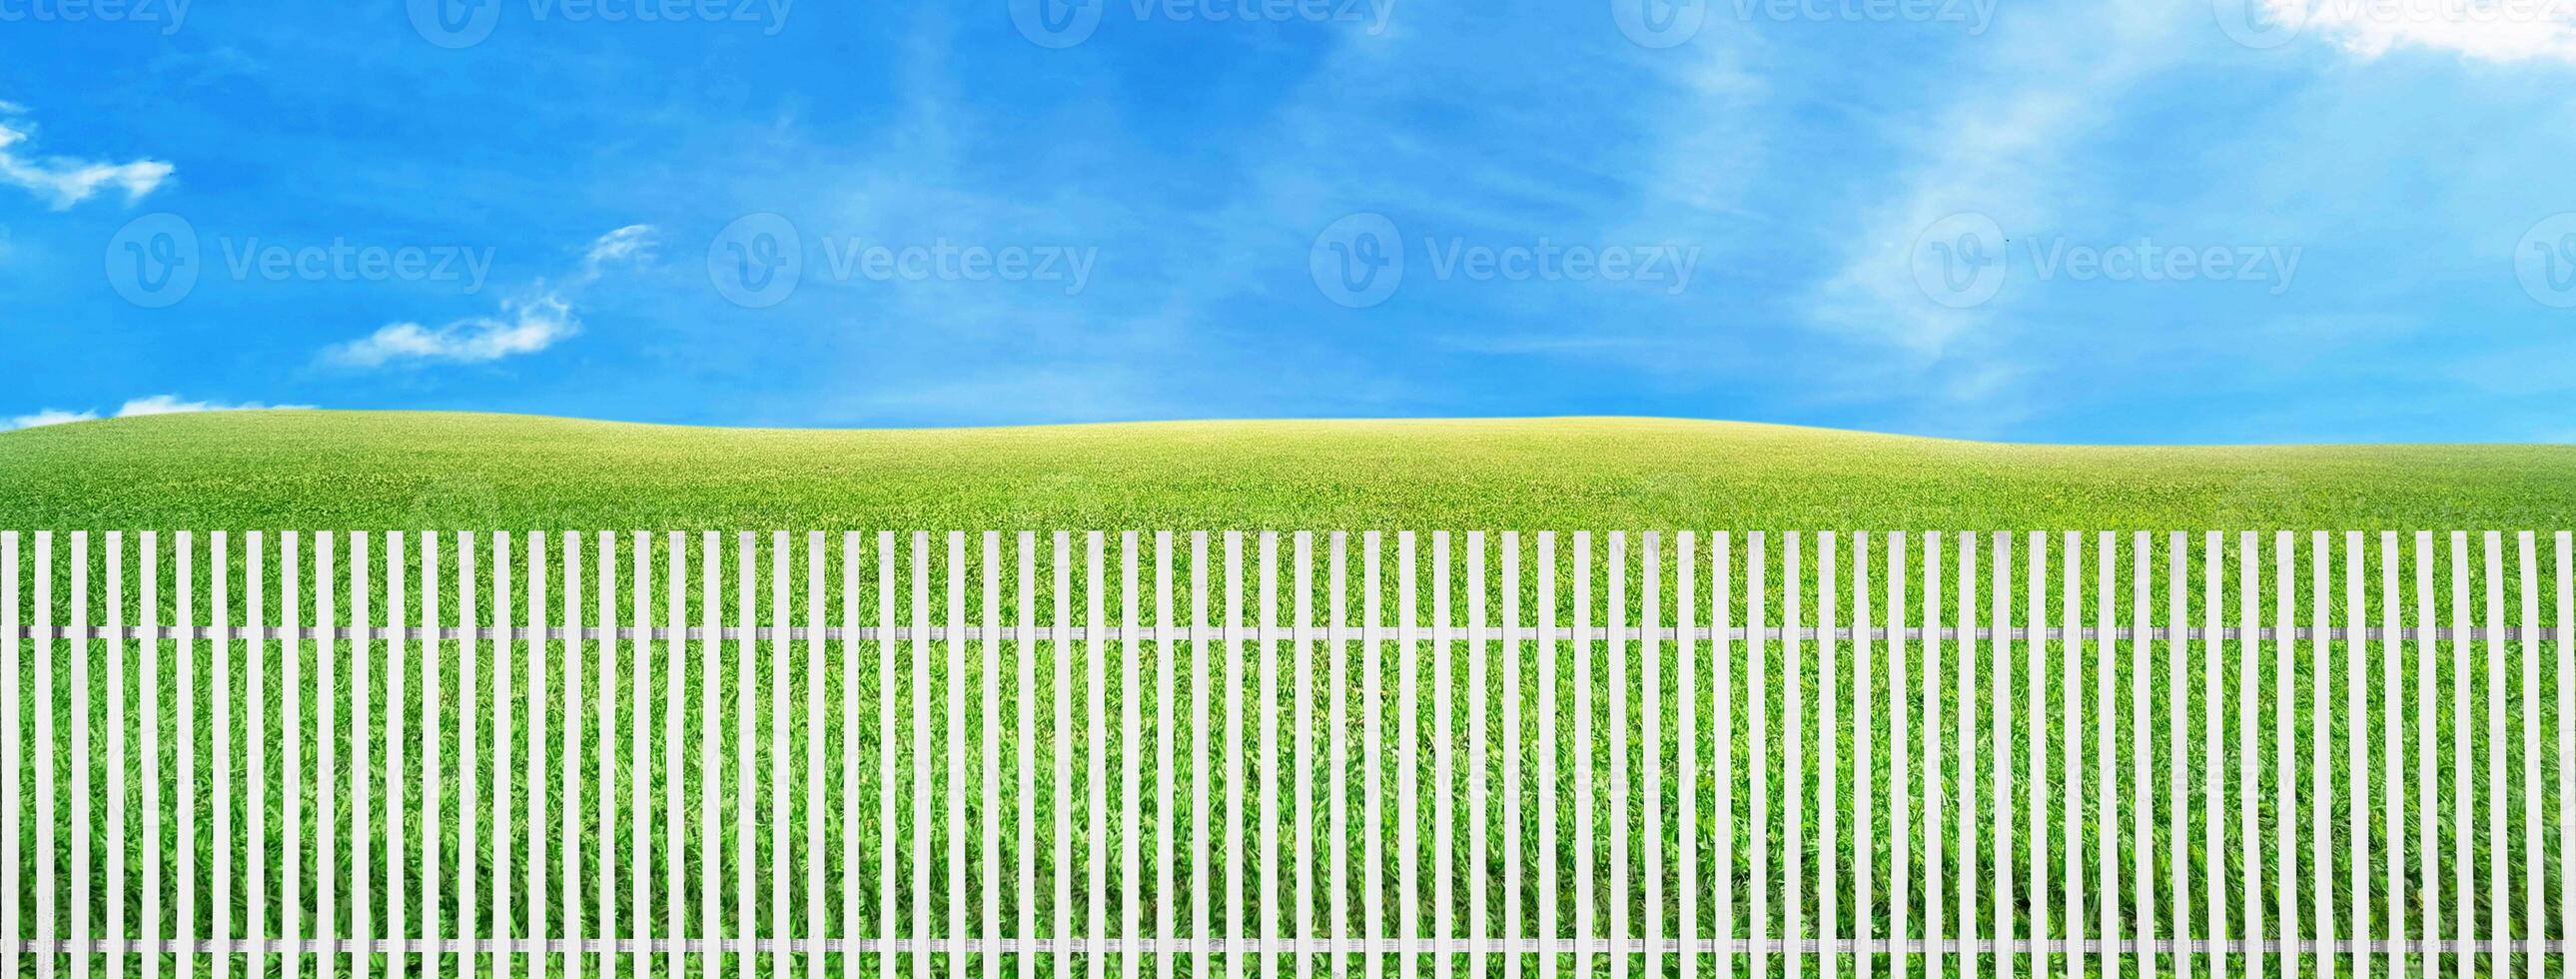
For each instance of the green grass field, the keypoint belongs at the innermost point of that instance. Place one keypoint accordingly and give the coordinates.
(2249, 722)
(382, 470)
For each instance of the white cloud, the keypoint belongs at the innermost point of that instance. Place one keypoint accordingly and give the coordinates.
(62, 181)
(156, 404)
(2488, 30)
(169, 404)
(49, 416)
(525, 326)
(537, 320)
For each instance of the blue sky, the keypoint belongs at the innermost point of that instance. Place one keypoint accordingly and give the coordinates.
(2097, 221)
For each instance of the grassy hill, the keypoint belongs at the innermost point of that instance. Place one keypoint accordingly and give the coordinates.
(366, 470)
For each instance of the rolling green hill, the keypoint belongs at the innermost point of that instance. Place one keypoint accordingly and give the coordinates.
(368, 470)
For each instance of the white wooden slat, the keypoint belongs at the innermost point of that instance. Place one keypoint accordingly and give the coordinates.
(84, 792)
(2106, 804)
(1622, 793)
(1585, 890)
(782, 612)
(2213, 840)
(2320, 897)
(2498, 845)
(2283, 697)
(851, 788)
(1304, 719)
(1970, 822)
(1864, 687)
(1408, 799)
(362, 751)
(2069, 787)
(1096, 753)
(889, 832)
(2357, 754)
(1650, 793)
(1373, 748)
(1794, 759)
(1901, 788)
(153, 768)
(916, 690)
(1829, 696)
(1721, 655)
(1444, 786)
(119, 823)
(1935, 793)
(2527, 633)
(2392, 742)
(255, 770)
(469, 708)
(48, 768)
(1514, 741)
(1024, 802)
(989, 737)
(1235, 852)
(2177, 723)
(675, 619)
(504, 751)
(184, 671)
(2564, 680)
(1337, 763)
(613, 695)
(1478, 791)
(1201, 721)
(2142, 843)
(1549, 869)
(2006, 738)
(709, 738)
(954, 777)
(218, 607)
(2425, 654)
(1686, 735)
(2461, 865)
(2249, 834)
(327, 734)
(1266, 768)
(1758, 696)
(431, 796)
(13, 764)
(746, 733)
(538, 923)
(1167, 894)
(1131, 872)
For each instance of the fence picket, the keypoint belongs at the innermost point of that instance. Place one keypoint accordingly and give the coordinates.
(2034, 838)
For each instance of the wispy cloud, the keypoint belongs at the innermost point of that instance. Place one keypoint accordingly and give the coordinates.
(2486, 30)
(526, 324)
(63, 181)
(155, 404)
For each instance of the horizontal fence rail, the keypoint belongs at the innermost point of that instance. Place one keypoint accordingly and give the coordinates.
(1521, 755)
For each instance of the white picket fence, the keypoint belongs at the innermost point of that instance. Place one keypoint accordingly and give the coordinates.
(1512, 754)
